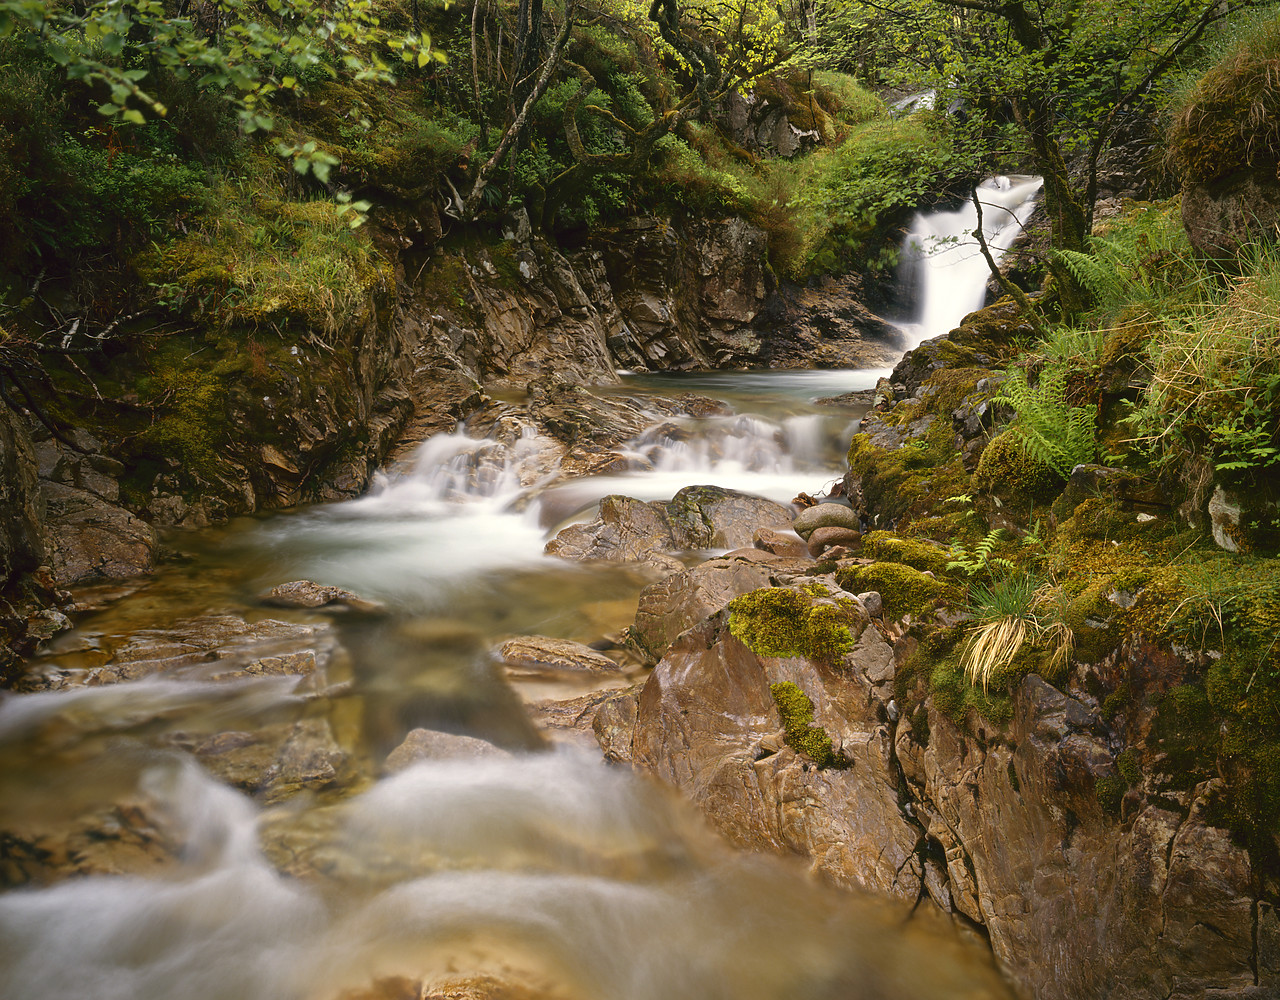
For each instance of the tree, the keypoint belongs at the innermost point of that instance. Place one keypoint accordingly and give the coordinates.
(247, 53)
(1065, 71)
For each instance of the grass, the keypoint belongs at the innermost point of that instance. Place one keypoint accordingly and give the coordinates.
(1009, 614)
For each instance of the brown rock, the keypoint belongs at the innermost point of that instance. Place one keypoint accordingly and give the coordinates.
(824, 538)
(87, 538)
(306, 594)
(537, 654)
(430, 744)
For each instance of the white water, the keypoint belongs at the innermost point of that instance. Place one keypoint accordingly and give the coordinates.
(942, 262)
(547, 869)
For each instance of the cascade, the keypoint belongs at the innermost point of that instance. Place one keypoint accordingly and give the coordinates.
(550, 868)
(942, 264)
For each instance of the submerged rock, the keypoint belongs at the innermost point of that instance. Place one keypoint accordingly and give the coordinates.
(306, 594)
(431, 744)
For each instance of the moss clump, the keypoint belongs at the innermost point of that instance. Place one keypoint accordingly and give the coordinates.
(802, 735)
(905, 590)
(1008, 473)
(955, 697)
(922, 555)
(1129, 766)
(779, 621)
(1110, 792)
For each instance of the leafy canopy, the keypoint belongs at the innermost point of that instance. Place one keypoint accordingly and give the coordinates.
(244, 52)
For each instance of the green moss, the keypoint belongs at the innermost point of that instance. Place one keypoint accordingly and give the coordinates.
(905, 590)
(1130, 766)
(955, 697)
(802, 735)
(779, 621)
(889, 547)
(1008, 473)
(1110, 792)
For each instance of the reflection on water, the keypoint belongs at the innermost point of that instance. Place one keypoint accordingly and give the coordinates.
(546, 867)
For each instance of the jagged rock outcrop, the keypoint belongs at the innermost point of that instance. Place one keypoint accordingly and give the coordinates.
(1000, 825)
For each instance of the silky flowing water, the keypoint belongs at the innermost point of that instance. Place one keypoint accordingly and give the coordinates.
(547, 867)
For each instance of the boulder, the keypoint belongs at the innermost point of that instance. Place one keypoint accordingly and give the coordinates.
(698, 517)
(821, 539)
(670, 606)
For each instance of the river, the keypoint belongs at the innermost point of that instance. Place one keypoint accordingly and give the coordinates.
(542, 866)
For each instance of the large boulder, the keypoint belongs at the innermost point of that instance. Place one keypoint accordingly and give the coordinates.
(698, 517)
(88, 538)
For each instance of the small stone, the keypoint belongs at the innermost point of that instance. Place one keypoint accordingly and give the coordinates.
(538, 654)
(307, 594)
(873, 602)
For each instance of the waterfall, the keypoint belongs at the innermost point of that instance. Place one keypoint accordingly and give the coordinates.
(942, 262)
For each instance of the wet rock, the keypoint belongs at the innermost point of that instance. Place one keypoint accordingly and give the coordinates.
(431, 744)
(214, 647)
(711, 517)
(537, 654)
(708, 724)
(821, 539)
(272, 762)
(781, 543)
(87, 538)
(825, 515)
(670, 606)
(699, 517)
(625, 530)
(307, 594)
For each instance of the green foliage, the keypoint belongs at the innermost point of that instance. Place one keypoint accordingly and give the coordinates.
(980, 560)
(246, 60)
(802, 736)
(1228, 119)
(1145, 258)
(1214, 378)
(1049, 430)
(883, 169)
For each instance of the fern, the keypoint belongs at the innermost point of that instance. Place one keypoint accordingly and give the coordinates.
(1098, 275)
(1050, 431)
(980, 559)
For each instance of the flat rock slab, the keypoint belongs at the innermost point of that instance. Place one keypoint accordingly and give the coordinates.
(537, 654)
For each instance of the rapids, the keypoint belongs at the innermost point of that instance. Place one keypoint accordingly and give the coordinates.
(543, 866)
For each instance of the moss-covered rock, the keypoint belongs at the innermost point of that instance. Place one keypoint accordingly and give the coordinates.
(1006, 472)
(905, 589)
(918, 553)
(802, 735)
(780, 621)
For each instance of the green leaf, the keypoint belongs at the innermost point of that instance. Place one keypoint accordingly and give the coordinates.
(135, 116)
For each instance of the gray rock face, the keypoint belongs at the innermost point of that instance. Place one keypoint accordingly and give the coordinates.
(1225, 215)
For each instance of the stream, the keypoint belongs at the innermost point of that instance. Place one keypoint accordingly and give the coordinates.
(536, 863)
